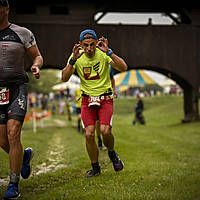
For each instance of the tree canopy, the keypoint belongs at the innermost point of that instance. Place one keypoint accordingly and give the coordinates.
(48, 78)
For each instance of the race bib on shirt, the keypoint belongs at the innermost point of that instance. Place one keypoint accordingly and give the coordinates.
(4, 96)
(97, 100)
(94, 101)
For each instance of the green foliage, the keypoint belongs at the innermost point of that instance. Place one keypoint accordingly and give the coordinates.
(48, 78)
(161, 158)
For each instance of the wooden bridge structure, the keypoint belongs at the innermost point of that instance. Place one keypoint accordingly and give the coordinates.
(173, 51)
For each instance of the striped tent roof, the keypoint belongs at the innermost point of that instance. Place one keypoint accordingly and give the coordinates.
(132, 78)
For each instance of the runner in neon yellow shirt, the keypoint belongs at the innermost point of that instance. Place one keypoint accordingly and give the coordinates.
(91, 58)
(93, 73)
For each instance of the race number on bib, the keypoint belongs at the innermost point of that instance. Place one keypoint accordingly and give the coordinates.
(4, 96)
(94, 101)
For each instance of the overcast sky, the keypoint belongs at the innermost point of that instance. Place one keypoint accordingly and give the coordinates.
(134, 18)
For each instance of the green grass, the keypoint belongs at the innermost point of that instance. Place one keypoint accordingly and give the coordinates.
(162, 158)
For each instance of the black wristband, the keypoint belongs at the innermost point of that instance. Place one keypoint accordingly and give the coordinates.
(72, 62)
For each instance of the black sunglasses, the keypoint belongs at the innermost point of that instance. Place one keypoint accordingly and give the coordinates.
(4, 3)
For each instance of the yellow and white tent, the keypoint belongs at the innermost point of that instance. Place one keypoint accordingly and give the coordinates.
(132, 78)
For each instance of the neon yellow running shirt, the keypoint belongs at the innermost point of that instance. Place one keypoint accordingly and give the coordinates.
(94, 73)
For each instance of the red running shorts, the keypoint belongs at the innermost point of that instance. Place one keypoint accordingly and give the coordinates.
(104, 112)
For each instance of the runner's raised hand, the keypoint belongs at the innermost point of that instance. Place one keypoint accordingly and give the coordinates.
(76, 51)
(103, 44)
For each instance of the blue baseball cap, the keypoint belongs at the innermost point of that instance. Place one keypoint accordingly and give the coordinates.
(88, 31)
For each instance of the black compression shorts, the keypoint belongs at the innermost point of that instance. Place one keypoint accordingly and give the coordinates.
(17, 106)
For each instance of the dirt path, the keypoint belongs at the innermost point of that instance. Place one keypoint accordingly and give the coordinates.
(54, 156)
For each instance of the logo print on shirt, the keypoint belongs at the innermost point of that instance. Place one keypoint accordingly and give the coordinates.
(10, 37)
(6, 37)
(96, 67)
(87, 71)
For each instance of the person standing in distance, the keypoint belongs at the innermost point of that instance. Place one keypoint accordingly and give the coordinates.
(91, 58)
(15, 42)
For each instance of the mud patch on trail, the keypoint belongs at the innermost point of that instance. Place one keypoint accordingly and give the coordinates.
(54, 157)
(4, 181)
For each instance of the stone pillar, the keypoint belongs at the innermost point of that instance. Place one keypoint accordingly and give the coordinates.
(191, 108)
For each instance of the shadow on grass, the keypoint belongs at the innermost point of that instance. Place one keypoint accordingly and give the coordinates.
(183, 124)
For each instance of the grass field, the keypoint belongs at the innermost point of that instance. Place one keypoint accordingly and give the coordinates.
(162, 158)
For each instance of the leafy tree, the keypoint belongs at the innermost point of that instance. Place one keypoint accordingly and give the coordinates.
(48, 78)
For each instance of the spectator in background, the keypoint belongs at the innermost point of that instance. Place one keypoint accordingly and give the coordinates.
(44, 102)
(61, 107)
(139, 107)
(51, 96)
(69, 104)
(53, 107)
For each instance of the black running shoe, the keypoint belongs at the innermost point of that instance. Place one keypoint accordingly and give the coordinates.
(118, 165)
(92, 172)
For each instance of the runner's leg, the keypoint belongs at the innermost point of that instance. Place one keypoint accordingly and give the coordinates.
(93, 152)
(108, 137)
(105, 118)
(89, 117)
(97, 128)
(91, 145)
(4, 138)
(16, 150)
